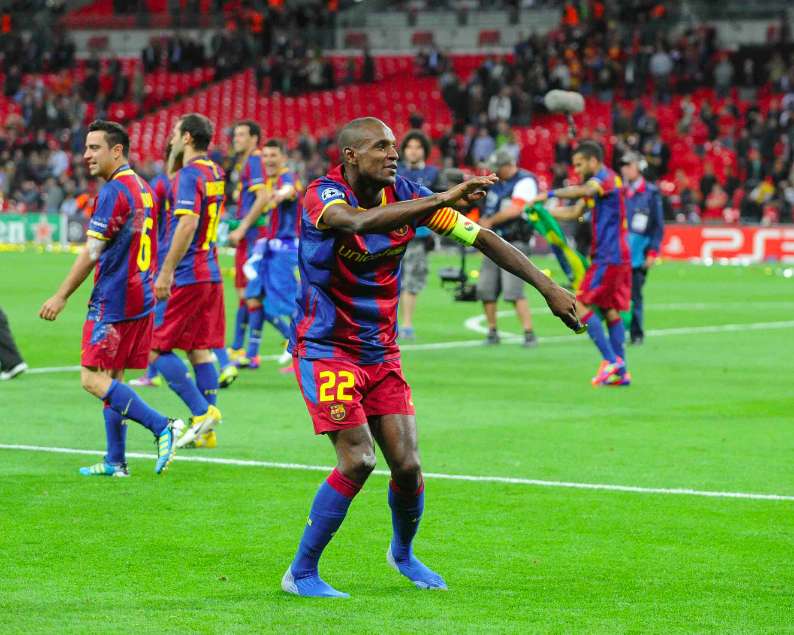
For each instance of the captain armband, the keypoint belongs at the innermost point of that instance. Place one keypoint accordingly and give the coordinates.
(448, 222)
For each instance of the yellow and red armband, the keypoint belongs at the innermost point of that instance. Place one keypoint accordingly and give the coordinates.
(449, 222)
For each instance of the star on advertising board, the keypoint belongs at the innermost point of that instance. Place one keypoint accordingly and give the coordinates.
(43, 230)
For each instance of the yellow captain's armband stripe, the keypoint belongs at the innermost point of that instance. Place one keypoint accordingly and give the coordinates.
(448, 222)
(92, 234)
(256, 186)
(325, 207)
(182, 211)
(146, 199)
(215, 188)
(597, 185)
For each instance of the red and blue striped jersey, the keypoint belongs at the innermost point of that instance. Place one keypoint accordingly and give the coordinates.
(124, 217)
(251, 179)
(610, 229)
(284, 219)
(198, 190)
(161, 186)
(350, 284)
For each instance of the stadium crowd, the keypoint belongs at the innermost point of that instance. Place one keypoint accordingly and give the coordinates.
(41, 167)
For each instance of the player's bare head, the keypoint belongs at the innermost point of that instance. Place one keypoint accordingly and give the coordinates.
(274, 154)
(107, 146)
(415, 147)
(247, 135)
(587, 159)
(193, 130)
(369, 149)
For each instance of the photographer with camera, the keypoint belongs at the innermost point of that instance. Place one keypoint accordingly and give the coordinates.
(503, 214)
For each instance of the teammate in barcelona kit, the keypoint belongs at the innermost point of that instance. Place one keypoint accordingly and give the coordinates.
(161, 187)
(121, 248)
(606, 288)
(252, 201)
(356, 223)
(190, 279)
(272, 284)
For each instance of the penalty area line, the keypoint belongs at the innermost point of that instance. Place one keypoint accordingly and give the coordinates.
(603, 487)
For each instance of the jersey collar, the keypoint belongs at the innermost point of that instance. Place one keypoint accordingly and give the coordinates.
(119, 170)
(336, 174)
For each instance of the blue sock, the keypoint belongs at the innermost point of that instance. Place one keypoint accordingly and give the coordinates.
(596, 333)
(127, 403)
(222, 356)
(240, 324)
(151, 371)
(280, 324)
(178, 377)
(256, 318)
(406, 512)
(617, 337)
(116, 434)
(328, 511)
(207, 381)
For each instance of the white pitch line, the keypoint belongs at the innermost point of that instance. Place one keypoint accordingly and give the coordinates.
(475, 323)
(51, 369)
(559, 339)
(632, 489)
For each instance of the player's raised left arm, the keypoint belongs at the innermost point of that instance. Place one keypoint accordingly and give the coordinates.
(572, 192)
(80, 270)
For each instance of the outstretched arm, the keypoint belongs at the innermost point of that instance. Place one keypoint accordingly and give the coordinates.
(570, 192)
(339, 215)
(561, 302)
(448, 222)
(570, 212)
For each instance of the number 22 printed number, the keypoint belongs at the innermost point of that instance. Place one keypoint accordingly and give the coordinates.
(343, 381)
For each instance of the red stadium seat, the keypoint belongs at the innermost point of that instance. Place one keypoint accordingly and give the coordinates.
(356, 40)
(422, 38)
(489, 38)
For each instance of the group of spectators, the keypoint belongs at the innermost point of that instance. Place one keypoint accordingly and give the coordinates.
(40, 149)
(746, 154)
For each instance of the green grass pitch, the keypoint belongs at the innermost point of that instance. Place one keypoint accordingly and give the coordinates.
(203, 548)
